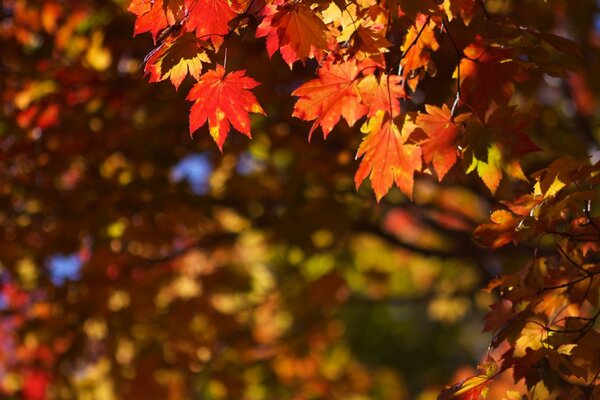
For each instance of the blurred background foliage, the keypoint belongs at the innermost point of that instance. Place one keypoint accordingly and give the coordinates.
(137, 262)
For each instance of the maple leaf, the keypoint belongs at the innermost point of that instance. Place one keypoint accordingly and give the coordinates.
(532, 337)
(524, 205)
(475, 387)
(501, 230)
(387, 158)
(554, 55)
(510, 226)
(487, 75)
(500, 313)
(223, 99)
(175, 58)
(486, 153)
(509, 126)
(412, 8)
(554, 178)
(333, 95)
(293, 29)
(488, 167)
(155, 15)
(440, 148)
(418, 42)
(384, 94)
(460, 8)
(210, 18)
(469, 389)
(367, 43)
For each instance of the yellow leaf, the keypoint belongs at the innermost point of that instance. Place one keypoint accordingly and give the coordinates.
(566, 349)
(532, 337)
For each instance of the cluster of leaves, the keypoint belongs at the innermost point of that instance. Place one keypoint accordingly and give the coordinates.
(372, 58)
(358, 47)
(545, 321)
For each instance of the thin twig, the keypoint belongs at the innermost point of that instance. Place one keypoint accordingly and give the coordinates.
(459, 55)
(414, 42)
(564, 285)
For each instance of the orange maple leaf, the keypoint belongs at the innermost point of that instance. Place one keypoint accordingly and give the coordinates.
(175, 57)
(387, 158)
(333, 95)
(500, 231)
(384, 94)
(210, 18)
(505, 226)
(293, 29)
(223, 99)
(419, 41)
(440, 148)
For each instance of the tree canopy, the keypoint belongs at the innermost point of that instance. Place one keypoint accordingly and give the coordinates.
(313, 199)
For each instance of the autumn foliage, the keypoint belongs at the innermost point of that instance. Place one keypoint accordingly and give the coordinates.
(272, 273)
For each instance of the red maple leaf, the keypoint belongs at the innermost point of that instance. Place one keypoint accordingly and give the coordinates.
(333, 95)
(387, 158)
(440, 148)
(155, 15)
(223, 99)
(487, 74)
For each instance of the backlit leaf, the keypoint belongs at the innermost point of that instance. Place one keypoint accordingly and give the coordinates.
(175, 58)
(210, 19)
(333, 95)
(387, 159)
(293, 29)
(223, 99)
(441, 147)
(383, 94)
(418, 44)
(532, 337)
